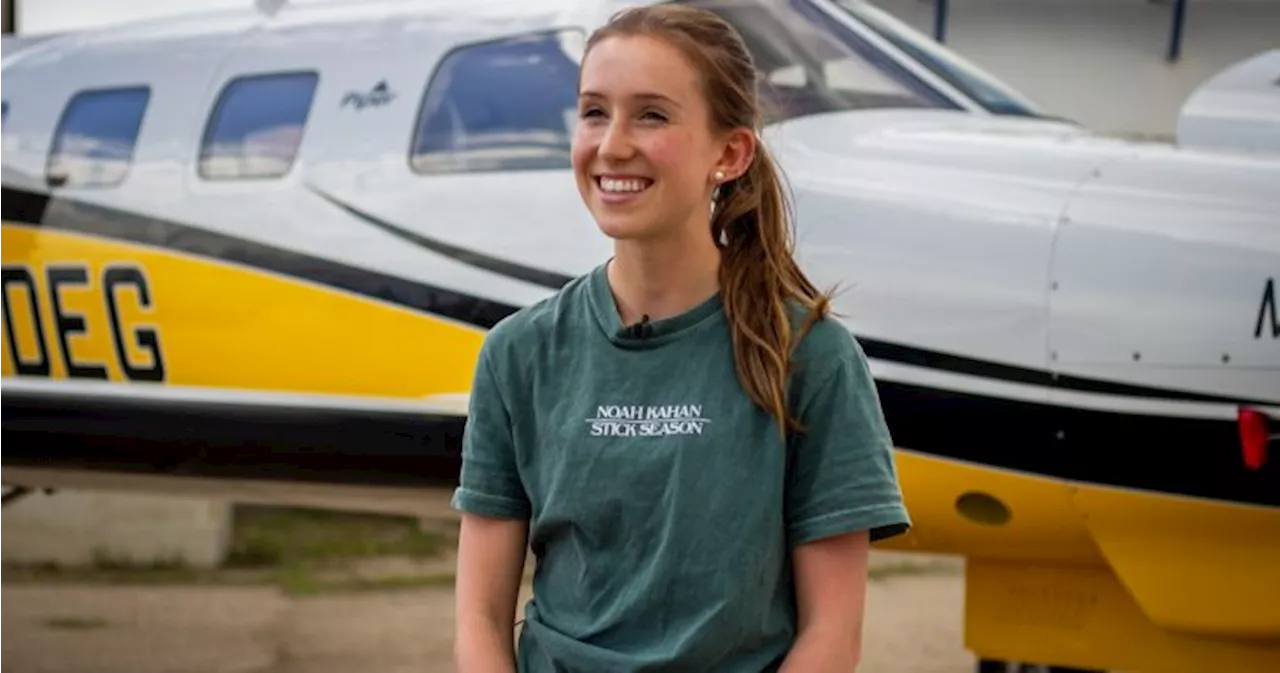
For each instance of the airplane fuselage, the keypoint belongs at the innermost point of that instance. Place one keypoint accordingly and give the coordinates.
(271, 247)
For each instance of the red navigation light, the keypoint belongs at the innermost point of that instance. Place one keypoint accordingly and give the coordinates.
(1253, 437)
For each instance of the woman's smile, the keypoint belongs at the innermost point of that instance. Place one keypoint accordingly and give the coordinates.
(620, 188)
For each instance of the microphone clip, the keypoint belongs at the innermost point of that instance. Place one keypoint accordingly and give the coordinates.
(640, 330)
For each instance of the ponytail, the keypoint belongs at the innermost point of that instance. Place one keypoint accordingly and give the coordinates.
(759, 279)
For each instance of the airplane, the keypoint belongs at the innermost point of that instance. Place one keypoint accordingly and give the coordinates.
(254, 253)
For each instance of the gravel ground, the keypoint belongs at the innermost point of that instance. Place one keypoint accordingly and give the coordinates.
(914, 625)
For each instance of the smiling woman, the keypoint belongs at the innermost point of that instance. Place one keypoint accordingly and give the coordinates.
(700, 488)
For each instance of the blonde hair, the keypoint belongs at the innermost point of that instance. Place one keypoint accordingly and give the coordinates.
(752, 223)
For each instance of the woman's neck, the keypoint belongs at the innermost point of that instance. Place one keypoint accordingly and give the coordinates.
(662, 279)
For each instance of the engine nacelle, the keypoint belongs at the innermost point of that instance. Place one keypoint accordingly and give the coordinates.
(1236, 110)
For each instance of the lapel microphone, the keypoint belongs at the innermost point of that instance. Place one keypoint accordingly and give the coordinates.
(640, 330)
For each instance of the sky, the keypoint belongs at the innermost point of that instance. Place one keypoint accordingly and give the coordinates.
(43, 16)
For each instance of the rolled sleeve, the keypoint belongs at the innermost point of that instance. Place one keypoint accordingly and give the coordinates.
(489, 483)
(842, 477)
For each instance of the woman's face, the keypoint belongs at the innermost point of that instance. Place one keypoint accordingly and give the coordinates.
(643, 150)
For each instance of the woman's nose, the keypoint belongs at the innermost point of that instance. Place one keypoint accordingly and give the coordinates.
(616, 144)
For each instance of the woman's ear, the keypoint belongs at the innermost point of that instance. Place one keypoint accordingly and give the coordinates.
(735, 158)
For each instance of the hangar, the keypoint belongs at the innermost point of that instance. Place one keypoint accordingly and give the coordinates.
(1081, 59)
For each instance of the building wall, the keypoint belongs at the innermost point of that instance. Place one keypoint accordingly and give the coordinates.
(1102, 62)
(1099, 62)
(84, 528)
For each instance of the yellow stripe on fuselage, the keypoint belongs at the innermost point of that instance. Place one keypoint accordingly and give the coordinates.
(220, 325)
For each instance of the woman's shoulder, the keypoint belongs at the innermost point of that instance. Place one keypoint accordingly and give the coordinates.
(533, 323)
(827, 353)
(822, 339)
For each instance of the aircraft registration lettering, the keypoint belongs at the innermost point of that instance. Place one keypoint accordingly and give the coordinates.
(1268, 308)
(85, 318)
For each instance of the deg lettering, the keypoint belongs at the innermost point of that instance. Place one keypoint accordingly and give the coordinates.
(146, 338)
(67, 323)
(20, 276)
(70, 323)
(1268, 307)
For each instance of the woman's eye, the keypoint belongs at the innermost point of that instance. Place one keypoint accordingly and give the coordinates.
(590, 112)
(654, 116)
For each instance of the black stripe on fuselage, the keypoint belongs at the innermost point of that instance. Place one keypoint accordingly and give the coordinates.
(20, 205)
(938, 361)
(230, 440)
(1180, 456)
(1189, 456)
(1170, 454)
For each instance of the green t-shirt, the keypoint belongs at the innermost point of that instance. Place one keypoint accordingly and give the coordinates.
(662, 503)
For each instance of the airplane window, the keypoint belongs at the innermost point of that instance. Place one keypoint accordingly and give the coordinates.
(256, 126)
(811, 64)
(503, 105)
(93, 145)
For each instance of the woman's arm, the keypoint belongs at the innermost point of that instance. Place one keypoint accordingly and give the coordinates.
(491, 554)
(842, 496)
(831, 583)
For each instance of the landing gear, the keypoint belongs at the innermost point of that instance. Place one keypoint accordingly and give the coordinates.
(16, 493)
(12, 494)
(1001, 666)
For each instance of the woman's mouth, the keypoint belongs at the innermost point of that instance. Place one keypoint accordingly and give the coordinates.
(621, 189)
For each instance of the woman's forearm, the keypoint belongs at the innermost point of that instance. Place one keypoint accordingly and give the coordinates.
(483, 645)
(491, 554)
(816, 651)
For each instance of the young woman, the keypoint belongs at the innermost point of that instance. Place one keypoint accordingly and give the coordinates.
(691, 447)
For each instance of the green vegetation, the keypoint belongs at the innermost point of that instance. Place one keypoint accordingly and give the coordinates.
(75, 623)
(299, 581)
(303, 552)
(901, 569)
(274, 537)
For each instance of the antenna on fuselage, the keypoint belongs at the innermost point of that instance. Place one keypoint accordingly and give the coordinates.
(269, 7)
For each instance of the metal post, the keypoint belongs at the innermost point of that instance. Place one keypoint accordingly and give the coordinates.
(10, 17)
(1175, 36)
(940, 20)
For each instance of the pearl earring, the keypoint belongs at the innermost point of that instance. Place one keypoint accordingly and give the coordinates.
(719, 176)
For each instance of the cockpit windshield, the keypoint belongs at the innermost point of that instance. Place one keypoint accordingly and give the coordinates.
(995, 96)
(812, 64)
(511, 103)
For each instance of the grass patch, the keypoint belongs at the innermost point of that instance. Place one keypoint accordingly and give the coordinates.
(271, 537)
(300, 581)
(905, 569)
(303, 552)
(75, 623)
(105, 568)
